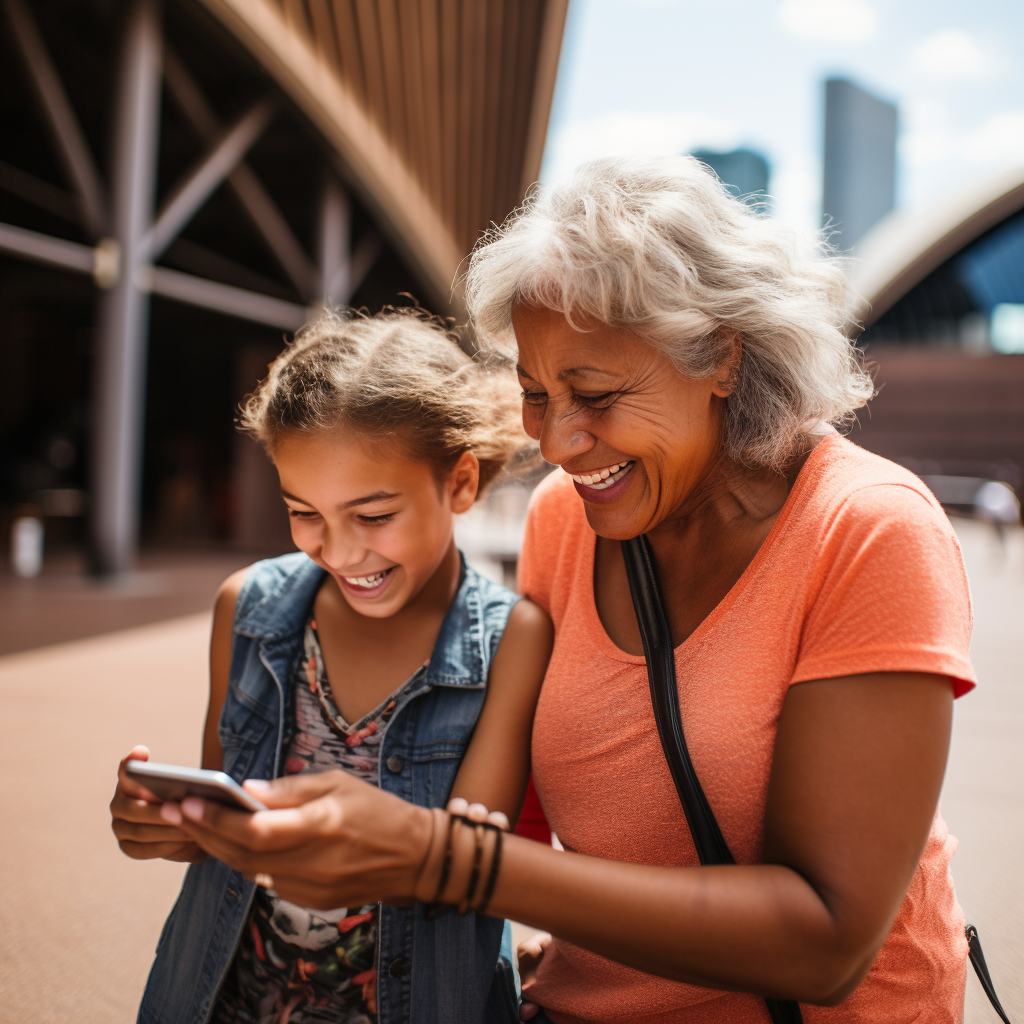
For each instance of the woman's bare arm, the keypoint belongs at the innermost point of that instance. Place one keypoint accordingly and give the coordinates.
(854, 785)
(496, 767)
(856, 775)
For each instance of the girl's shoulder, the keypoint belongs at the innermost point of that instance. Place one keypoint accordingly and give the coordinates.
(494, 600)
(276, 595)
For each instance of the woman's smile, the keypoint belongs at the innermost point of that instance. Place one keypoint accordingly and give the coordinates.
(603, 485)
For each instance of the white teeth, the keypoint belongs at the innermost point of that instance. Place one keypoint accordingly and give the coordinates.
(604, 478)
(366, 581)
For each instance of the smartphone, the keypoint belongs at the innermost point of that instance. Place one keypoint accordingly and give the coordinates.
(174, 782)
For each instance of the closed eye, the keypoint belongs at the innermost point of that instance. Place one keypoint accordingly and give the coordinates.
(377, 520)
(298, 513)
(601, 401)
(534, 397)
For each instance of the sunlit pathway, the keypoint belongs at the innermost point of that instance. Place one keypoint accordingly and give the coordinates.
(983, 799)
(79, 922)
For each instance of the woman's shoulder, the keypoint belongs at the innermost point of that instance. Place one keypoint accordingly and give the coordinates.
(556, 536)
(555, 511)
(555, 493)
(850, 486)
(883, 583)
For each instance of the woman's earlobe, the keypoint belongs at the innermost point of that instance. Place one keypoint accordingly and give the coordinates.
(727, 385)
(730, 369)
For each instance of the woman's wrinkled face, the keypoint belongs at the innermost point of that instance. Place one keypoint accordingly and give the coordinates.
(635, 434)
(379, 523)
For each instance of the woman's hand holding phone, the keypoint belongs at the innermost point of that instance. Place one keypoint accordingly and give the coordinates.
(327, 839)
(140, 830)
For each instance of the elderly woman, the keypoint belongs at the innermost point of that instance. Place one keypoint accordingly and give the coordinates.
(684, 362)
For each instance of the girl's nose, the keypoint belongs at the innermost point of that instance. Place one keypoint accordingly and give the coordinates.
(340, 552)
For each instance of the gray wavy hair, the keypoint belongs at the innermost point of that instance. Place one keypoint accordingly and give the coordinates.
(661, 248)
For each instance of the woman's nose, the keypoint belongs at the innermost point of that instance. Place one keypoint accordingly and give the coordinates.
(560, 440)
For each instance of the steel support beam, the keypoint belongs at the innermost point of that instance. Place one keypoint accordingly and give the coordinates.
(101, 263)
(44, 249)
(342, 268)
(221, 298)
(71, 144)
(363, 258)
(186, 200)
(335, 245)
(31, 189)
(262, 210)
(119, 391)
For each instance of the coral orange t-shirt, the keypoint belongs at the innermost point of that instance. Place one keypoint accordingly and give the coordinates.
(861, 572)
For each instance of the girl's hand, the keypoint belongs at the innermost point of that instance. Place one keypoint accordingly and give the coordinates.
(530, 953)
(327, 840)
(141, 833)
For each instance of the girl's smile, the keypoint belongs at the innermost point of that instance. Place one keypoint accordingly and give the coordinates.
(364, 588)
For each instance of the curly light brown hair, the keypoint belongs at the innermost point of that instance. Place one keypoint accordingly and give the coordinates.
(399, 378)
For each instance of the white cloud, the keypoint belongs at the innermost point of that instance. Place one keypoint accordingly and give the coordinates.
(624, 132)
(796, 189)
(929, 138)
(834, 21)
(926, 134)
(999, 139)
(957, 54)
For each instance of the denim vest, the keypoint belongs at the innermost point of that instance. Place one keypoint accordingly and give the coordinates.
(429, 971)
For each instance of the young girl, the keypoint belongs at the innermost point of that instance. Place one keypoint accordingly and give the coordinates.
(371, 652)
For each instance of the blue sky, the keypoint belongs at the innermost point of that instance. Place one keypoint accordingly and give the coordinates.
(663, 76)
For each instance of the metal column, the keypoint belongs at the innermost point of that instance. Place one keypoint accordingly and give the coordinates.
(335, 245)
(119, 390)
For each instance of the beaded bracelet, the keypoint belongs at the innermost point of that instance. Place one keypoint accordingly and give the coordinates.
(480, 830)
(492, 877)
(446, 868)
(474, 875)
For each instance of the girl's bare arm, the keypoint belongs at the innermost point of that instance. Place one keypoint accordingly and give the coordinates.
(141, 833)
(220, 665)
(496, 767)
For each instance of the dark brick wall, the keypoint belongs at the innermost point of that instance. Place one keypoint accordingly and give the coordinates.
(947, 412)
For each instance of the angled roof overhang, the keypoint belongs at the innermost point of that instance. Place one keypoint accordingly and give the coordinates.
(902, 250)
(437, 109)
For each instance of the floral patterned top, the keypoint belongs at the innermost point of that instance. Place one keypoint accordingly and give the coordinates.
(295, 965)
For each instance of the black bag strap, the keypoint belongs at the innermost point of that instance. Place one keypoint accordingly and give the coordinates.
(661, 674)
(981, 969)
(707, 836)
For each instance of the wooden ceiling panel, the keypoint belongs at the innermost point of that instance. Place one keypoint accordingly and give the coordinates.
(349, 50)
(458, 94)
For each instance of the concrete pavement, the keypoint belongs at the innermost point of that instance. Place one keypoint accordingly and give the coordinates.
(79, 922)
(983, 797)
